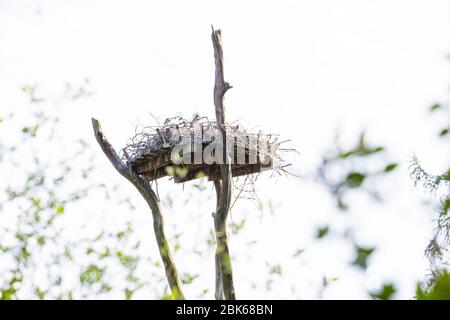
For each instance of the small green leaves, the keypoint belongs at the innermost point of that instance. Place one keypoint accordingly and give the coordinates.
(355, 179)
(31, 92)
(188, 278)
(39, 293)
(326, 281)
(298, 252)
(73, 93)
(127, 260)
(128, 294)
(346, 154)
(439, 291)
(362, 256)
(445, 206)
(92, 274)
(435, 107)
(390, 167)
(385, 293)
(361, 150)
(443, 132)
(60, 209)
(322, 232)
(30, 131)
(105, 254)
(40, 240)
(237, 226)
(276, 269)
(36, 203)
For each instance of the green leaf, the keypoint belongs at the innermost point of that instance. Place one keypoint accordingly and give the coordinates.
(32, 131)
(39, 293)
(298, 252)
(378, 149)
(128, 294)
(105, 287)
(445, 205)
(36, 202)
(385, 293)
(187, 278)
(60, 209)
(106, 253)
(390, 167)
(443, 132)
(435, 107)
(421, 294)
(362, 256)
(127, 260)
(237, 226)
(439, 291)
(346, 154)
(355, 179)
(276, 269)
(322, 232)
(91, 275)
(41, 240)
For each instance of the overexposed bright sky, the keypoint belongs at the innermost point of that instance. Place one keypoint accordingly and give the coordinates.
(299, 68)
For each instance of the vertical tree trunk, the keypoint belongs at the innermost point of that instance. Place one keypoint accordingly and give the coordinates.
(223, 187)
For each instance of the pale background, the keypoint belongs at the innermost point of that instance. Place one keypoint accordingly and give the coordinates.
(299, 68)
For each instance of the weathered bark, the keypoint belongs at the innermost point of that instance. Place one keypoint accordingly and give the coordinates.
(219, 281)
(223, 188)
(143, 186)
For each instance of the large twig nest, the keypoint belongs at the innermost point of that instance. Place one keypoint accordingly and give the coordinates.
(185, 149)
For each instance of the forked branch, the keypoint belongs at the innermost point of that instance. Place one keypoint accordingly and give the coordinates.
(143, 186)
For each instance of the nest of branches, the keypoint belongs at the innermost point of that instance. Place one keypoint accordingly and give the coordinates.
(151, 151)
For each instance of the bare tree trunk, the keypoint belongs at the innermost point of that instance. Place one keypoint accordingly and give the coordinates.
(143, 186)
(219, 281)
(223, 188)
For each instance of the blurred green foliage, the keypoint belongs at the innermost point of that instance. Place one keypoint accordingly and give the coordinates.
(322, 232)
(438, 185)
(385, 293)
(36, 206)
(439, 291)
(362, 256)
(345, 170)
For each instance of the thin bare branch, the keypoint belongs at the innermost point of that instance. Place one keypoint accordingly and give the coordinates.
(143, 186)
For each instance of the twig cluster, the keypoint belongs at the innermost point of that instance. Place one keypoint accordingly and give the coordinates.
(150, 139)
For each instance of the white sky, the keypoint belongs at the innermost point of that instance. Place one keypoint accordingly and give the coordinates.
(299, 68)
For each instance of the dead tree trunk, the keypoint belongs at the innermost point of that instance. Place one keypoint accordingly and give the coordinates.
(143, 186)
(224, 272)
